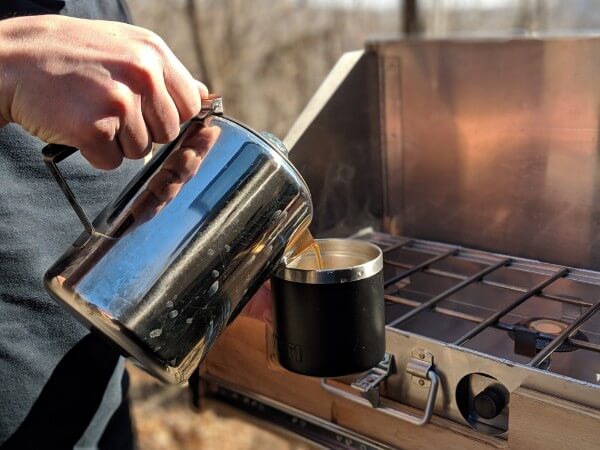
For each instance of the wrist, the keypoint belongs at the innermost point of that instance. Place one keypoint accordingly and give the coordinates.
(7, 82)
(9, 29)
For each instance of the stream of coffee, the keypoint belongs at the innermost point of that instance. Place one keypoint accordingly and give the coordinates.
(306, 242)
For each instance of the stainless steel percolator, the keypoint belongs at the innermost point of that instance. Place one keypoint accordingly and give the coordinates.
(175, 257)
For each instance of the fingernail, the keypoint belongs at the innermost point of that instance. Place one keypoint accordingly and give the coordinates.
(203, 89)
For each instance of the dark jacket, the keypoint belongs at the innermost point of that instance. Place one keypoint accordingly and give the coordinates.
(60, 387)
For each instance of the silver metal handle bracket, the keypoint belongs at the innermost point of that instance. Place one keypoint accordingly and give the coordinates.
(212, 105)
(419, 366)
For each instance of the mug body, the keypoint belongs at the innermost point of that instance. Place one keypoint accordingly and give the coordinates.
(330, 322)
(178, 254)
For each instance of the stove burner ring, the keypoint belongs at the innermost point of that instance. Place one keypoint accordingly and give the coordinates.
(550, 327)
(547, 326)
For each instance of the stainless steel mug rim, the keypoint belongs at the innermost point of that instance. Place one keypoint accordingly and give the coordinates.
(345, 260)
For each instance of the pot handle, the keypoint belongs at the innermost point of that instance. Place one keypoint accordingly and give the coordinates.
(53, 154)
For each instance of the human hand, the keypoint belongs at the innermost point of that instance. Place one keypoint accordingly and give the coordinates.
(107, 88)
(261, 305)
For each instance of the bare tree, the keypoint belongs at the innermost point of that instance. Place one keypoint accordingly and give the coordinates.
(265, 57)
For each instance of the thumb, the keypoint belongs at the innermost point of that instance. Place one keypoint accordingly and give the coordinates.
(202, 88)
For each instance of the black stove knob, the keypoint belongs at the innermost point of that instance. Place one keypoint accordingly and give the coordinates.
(490, 402)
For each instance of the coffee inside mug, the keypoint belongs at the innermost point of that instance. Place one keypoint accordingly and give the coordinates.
(330, 322)
(343, 260)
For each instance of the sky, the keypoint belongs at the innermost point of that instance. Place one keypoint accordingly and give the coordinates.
(392, 4)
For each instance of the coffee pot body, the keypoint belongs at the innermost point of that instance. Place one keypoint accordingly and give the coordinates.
(174, 258)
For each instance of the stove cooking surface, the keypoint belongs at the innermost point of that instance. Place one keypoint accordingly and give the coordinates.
(524, 311)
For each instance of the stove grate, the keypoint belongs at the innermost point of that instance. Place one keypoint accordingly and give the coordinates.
(406, 258)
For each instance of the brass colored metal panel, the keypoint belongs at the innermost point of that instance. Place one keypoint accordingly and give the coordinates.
(499, 145)
(390, 104)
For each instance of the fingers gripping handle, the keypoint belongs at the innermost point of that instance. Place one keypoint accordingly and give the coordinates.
(53, 154)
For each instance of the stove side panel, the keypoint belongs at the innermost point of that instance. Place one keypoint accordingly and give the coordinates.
(335, 144)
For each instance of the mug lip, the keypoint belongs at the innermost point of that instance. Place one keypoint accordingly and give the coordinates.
(372, 265)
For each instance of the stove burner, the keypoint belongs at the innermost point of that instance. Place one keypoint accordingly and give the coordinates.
(547, 326)
(532, 335)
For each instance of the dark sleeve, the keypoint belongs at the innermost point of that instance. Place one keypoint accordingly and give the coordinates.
(116, 10)
(13, 8)
(125, 11)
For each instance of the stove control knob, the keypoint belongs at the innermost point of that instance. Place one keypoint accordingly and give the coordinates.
(490, 402)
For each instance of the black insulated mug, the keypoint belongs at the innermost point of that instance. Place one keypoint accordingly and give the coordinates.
(330, 322)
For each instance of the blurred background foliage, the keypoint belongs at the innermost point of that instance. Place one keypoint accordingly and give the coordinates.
(267, 57)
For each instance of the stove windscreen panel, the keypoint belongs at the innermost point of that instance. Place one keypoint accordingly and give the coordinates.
(490, 158)
(485, 143)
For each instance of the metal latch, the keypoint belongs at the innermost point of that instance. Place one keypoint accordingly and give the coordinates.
(419, 366)
(368, 385)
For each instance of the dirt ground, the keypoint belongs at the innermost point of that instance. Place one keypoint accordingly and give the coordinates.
(164, 420)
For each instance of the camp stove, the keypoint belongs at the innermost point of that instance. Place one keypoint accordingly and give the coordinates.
(474, 166)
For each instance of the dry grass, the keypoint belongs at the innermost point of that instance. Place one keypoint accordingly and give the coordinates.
(164, 420)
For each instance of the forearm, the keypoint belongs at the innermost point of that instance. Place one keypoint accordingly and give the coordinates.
(8, 36)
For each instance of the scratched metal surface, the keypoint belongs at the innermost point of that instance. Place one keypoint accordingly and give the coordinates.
(492, 144)
(339, 159)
